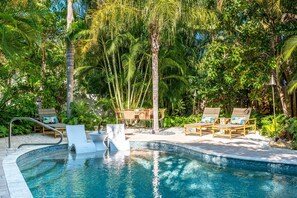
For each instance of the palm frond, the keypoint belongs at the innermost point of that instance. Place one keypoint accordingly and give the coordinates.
(201, 18)
(180, 78)
(84, 70)
(289, 47)
(112, 15)
(129, 66)
(165, 12)
(292, 85)
(16, 32)
(170, 63)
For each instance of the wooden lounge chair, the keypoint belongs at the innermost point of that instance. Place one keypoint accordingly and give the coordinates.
(49, 117)
(209, 118)
(239, 123)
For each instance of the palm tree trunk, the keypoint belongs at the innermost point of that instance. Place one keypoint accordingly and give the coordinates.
(70, 71)
(133, 94)
(154, 35)
(142, 87)
(117, 86)
(282, 96)
(145, 92)
(108, 83)
(115, 72)
(69, 59)
(110, 74)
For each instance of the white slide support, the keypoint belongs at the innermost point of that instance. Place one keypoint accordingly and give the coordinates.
(116, 135)
(77, 139)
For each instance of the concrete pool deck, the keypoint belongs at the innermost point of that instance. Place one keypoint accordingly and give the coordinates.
(251, 147)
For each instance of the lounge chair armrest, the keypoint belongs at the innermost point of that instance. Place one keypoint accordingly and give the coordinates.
(253, 120)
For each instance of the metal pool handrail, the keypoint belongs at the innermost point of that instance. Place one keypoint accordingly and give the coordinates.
(37, 122)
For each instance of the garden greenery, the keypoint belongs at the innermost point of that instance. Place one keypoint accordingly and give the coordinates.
(206, 57)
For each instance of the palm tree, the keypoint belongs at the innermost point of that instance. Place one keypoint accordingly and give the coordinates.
(131, 68)
(162, 17)
(69, 58)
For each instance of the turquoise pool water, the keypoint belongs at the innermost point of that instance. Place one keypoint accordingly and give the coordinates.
(145, 173)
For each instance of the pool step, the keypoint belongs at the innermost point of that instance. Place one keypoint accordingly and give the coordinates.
(50, 176)
(41, 168)
(29, 165)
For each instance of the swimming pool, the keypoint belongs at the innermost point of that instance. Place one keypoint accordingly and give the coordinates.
(169, 171)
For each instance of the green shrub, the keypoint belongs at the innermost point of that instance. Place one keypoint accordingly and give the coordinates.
(291, 128)
(271, 128)
(172, 121)
(179, 108)
(22, 105)
(108, 120)
(3, 131)
(82, 113)
(284, 127)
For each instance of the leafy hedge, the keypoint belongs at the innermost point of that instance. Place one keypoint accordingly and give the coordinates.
(283, 128)
(172, 121)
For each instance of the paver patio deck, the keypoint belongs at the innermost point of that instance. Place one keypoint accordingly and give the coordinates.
(252, 146)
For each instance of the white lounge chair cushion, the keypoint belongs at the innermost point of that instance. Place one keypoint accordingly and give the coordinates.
(238, 120)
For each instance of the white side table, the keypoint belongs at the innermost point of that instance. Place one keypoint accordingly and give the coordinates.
(98, 140)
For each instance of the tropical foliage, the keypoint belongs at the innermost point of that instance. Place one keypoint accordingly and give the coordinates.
(173, 54)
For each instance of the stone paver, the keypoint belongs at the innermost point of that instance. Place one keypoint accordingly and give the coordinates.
(251, 146)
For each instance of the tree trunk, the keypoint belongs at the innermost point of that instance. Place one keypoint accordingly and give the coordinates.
(294, 110)
(69, 59)
(280, 88)
(43, 66)
(154, 36)
(282, 96)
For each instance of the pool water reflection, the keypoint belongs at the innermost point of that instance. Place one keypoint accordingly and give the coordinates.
(145, 173)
